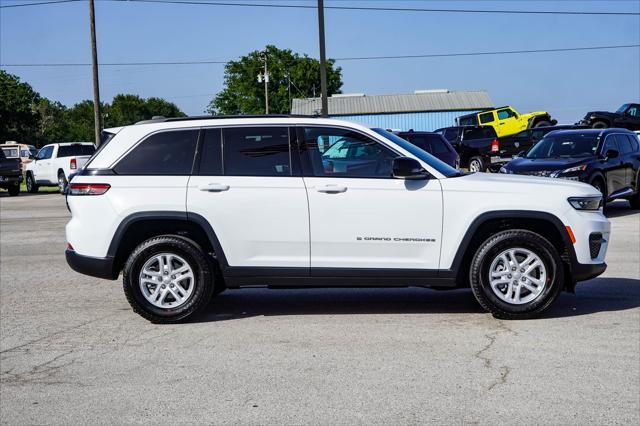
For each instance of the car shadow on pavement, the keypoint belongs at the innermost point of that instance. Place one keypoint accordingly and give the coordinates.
(598, 295)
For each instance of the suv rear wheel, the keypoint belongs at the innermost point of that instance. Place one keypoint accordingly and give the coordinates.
(516, 274)
(476, 164)
(62, 182)
(32, 187)
(166, 279)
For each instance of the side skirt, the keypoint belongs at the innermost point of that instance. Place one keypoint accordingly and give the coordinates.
(237, 277)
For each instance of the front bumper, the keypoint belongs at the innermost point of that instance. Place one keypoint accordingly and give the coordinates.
(100, 267)
(584, 272)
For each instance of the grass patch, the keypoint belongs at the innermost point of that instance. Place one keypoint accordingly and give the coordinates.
(23, 188)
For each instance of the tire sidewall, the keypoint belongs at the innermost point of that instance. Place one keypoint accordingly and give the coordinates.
(479, 162)
(202, 275)
(31, 183)
(538, 245)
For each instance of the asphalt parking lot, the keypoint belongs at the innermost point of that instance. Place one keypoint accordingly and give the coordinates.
(73, 352)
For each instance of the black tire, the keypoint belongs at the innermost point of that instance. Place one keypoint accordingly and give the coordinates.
(202, 272)
(518, 238)
(599, 184)
(542, 123)
(599, 124)
(14, 190)
(635, 200)
(62, 182)
(477, 164)
(32, 187)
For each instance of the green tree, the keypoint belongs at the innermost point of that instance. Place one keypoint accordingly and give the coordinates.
(53, 125)
(18, 109)
(290, 75)
(129, 109)
(79, 121)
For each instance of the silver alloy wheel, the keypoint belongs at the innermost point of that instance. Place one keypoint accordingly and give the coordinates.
(474, 166)
(29, 183)
(166, 280)
(61, 183)
(517, 276)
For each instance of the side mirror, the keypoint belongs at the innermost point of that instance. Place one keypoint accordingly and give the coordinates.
(611, 153)
(408, 168)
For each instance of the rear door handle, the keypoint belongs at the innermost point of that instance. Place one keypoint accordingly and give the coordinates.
(213, 187)
(331, 189)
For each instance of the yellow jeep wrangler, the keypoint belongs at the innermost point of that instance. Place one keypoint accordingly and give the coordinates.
(506, 120)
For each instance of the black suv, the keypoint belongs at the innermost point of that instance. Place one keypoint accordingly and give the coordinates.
(608, 159)
(627, 117)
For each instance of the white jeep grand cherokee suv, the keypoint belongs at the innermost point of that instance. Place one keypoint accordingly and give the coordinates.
(187, 208)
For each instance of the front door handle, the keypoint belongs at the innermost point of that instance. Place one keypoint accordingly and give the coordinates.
(213, 187)
(331, 189)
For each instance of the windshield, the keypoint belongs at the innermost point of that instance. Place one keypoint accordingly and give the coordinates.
(565, 146)
(623, 108)
(440, 166)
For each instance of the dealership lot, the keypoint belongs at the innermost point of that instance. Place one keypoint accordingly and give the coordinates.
(72, 351)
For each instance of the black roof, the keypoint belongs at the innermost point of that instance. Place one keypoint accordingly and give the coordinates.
(161, 119)
(599, 132)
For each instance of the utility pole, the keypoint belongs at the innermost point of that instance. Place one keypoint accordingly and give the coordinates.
(265, 78)
(323, 61)
(97, 115)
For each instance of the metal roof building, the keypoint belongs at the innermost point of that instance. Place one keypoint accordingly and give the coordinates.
(421, 110)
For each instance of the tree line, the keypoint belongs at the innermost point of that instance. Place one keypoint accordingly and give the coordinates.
(28, 117)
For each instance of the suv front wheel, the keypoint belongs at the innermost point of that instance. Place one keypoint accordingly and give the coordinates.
(516, 274)
(166, 279)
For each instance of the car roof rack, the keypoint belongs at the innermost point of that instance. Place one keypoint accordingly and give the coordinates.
(161, 119)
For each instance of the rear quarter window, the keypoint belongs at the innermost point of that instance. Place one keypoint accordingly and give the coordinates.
(164, 153)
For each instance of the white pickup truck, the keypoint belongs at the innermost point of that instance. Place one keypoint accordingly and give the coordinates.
(55, 162)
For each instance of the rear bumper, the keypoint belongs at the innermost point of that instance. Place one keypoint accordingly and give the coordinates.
(583, 272)
(100, 267)
(6, 181)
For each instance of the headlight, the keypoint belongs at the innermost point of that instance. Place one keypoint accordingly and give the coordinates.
(585, 203)
(505, 170)
(569, 170)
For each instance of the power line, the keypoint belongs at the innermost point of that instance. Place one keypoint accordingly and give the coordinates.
(353, 8)
(379, 9)
(41, 3)
(503, 52)
(351, 58)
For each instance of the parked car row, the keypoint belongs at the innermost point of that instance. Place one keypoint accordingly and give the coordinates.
(608, 159)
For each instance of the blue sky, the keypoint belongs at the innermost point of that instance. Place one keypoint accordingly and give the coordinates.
(565, 84)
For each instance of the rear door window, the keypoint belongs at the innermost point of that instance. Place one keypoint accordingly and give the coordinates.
(438, 145)
(165, 153)
(635, 145)
(450, 134)
(487, 117)
(256, 151)
(211, 156)
(624, 144)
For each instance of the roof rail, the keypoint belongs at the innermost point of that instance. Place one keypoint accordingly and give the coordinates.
(161, 119)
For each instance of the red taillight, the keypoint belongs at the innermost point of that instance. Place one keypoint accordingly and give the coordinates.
(73, 164)
(88, 188)
(495, 145)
